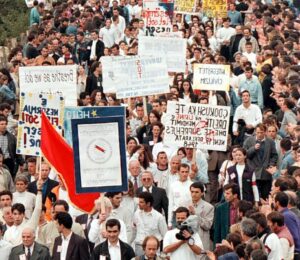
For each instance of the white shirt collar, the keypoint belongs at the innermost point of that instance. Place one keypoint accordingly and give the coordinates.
(117, 245)
(67, 238)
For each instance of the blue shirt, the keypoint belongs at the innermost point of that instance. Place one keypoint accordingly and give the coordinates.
(235, 17)
(293, 224)
(254, 87)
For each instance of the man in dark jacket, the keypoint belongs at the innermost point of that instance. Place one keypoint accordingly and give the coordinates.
(74, 246)
(113, 247)
(8, 144)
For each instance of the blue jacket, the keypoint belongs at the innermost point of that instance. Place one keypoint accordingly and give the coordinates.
(293, 224)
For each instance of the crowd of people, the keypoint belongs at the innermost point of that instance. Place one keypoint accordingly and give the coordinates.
(182, 203)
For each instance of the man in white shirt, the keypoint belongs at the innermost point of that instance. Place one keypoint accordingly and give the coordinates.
(14, 233)
(108, 34)
(248, 112)
(121, 24)
(189, 248)
(23, 196)
(120, 212)
(147, 221)
(251, 56)
(112, 248)
(179, 193)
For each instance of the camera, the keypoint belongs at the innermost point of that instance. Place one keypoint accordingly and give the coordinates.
(190, 225)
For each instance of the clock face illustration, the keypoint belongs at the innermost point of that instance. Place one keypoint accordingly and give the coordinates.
(99, 150)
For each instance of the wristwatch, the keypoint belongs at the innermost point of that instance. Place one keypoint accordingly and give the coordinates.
(191, 241)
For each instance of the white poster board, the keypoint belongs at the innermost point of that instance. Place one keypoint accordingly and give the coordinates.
(135, 75)
(52, 79)
(211, 77)
(197, 126)
(174, 49)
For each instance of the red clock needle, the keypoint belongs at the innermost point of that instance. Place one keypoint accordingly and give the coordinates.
(100, 148)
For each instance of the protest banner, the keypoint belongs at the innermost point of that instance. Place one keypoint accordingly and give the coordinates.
(136, 76)
(158, 15)
(211, 77)
(176, 55)
(29, 126)
(215, 8)
(100, 154)
(185, 6)
(51, 79)
(197, 126)
(87, 112)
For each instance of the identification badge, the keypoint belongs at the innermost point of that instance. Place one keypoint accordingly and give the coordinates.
(232, 176)
(89, 47)
(98, 84)
(22, 257)
(151, 143)
(58, 249)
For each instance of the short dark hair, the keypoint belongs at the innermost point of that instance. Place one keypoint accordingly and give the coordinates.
(286, 144)
(61, 203)
(113, 222)
(260, 219)
(234, 188)
(276, 217)
(6, 192)
(4, 106)
(197, 185)
(112, 194)
(147, 197)
(244, 206)
(3, 118)
(184, 165)
(182, 209)
(19, 207)
(65, 219)
(282, 198)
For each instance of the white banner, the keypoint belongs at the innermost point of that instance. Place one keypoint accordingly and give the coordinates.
(29, 126)
(211, 77)
(197, 126)
(135, 76)
(174, 49)
(51, 79)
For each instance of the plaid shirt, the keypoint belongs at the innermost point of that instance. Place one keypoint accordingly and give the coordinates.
(4, 146)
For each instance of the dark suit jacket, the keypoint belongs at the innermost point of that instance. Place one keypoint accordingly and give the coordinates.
(83, 221)
(160, 199)
(39, 252)
(93, 82)
(222, 222)
(78, 248)
(127, 252)
(258, 163)
(50, 185)
(99, 50)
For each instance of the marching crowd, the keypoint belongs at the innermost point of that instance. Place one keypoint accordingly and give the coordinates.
(182, 203)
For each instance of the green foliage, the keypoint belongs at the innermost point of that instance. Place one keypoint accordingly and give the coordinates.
(14, 19)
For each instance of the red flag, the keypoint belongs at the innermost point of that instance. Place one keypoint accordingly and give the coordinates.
(60, 156)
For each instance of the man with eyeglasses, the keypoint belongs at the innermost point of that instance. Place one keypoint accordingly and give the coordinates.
(160, 199)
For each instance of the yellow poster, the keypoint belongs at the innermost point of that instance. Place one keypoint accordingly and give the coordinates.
(185, 6)
(215, 8)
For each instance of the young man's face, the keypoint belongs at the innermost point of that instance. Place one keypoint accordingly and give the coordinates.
(113, 234)
(5, 201)
(18, 217)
